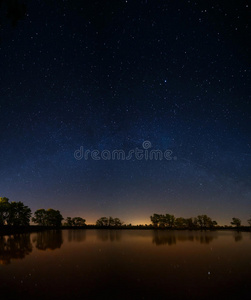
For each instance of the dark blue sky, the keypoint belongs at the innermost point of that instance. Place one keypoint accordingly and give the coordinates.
(110, 75)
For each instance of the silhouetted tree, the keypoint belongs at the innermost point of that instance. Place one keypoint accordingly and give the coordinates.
(111, 222)
(200, 221)
(14, 213)
(68, 221)
(155, 219)
(180, 222)
(236, 222)
(19, 214)
(163, 220)
(4, 210)
(102, 222)
(14, 10)
(214, 223)
(169, 220)
(117, 222)
(249, 222)
(54, 217)
(40, 217)
(49, 217)
(78, 221)
(191, 223)
(204, 221)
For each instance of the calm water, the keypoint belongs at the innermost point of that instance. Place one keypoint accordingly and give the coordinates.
(125, 264)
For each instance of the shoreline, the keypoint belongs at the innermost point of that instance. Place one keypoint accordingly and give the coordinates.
(10, 230)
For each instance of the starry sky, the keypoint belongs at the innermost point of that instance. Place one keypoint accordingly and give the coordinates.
(107, 75)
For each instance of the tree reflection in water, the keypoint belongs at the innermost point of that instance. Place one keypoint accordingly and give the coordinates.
(237, 236)
(111, 235)
(15, 246)
(76, 235)
(50, 239)
(171, 237)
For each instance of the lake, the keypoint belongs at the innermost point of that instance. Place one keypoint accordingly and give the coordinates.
(125, 264)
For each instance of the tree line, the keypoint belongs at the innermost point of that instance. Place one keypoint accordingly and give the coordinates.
(169, 221)
(201, 222)
(18, 214)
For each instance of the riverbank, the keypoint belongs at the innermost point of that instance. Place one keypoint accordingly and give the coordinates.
(9, 230)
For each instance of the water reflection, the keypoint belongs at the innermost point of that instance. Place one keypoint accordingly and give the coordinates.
(19, 245)
(14, 247)
(238, 236)
(161, 238)
(172, 237)
(76, 235)
(51, 239)
(109, 235)
(117, 263)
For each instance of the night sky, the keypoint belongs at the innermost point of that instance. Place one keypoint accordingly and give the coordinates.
(110, 75)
